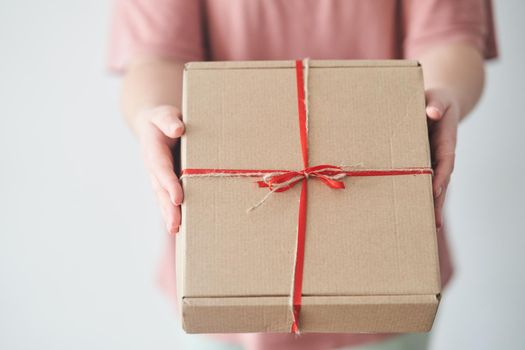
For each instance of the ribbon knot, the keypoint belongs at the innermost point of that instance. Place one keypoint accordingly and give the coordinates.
(330, 175)
(305, 173)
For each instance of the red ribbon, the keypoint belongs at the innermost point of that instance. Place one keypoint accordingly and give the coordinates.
(283, 180)
(301, 227)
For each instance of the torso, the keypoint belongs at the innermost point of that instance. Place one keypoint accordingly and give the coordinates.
(288, 29)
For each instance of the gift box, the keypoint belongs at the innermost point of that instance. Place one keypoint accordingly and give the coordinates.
(308, 198)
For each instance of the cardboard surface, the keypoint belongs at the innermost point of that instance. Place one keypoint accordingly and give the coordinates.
(352, 314)
(371, 261)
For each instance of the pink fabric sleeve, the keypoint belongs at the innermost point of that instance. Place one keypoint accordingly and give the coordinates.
(431, 22)
(164, 28)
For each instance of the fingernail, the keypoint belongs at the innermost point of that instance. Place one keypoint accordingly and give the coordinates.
(433, 109)
(439, 191)
(172, 230)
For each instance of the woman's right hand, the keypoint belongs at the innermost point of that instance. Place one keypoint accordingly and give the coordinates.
(158, 129)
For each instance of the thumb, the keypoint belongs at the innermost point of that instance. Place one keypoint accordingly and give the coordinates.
(168, 120)
(435, 108)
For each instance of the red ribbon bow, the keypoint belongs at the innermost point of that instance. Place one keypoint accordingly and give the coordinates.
(283, 181)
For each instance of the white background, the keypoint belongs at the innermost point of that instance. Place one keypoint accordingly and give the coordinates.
(80, 233)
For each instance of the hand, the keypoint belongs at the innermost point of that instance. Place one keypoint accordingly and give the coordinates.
(443, 113)
(158, 129)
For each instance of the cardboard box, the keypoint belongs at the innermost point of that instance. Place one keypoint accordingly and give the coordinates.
(370, 255)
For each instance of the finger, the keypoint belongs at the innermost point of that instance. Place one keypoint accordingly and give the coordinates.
(438, 208)
(157, 189)
(442, 172)
(168, 120)
(444, 158)
(435, 107)
(159, 161)
(443, 142)
(170, 212)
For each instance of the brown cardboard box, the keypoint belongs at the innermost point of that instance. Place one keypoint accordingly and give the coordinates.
(370, 262)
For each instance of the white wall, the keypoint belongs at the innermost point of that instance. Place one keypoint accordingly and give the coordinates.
(485, 306)
(80, 234)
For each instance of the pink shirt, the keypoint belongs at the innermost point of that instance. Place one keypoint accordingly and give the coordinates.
(194, 30)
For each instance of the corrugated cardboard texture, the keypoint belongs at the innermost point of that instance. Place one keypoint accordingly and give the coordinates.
(371, 249)
(391, 313)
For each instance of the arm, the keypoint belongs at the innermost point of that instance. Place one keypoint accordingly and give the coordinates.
(454, 78)
(152, 87)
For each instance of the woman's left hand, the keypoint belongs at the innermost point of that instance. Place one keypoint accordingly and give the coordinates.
(443, 118)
